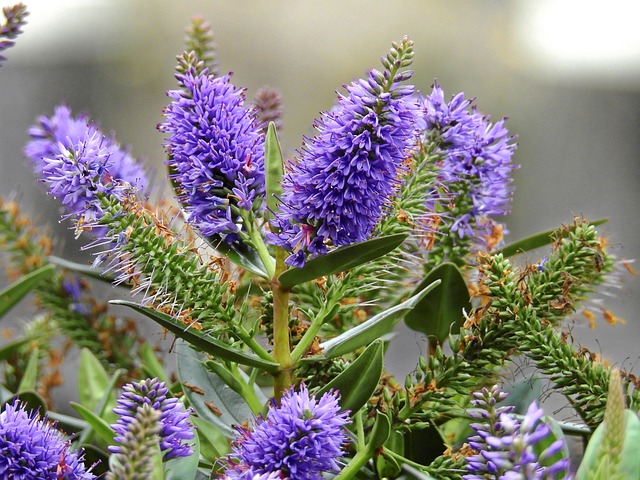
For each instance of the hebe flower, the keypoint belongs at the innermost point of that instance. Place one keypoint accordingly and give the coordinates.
(506, 447)
(475, 170)
(300, 439)
(346, 174)
(31, 448)
(216, 153)
(51, 136)
(174, 425)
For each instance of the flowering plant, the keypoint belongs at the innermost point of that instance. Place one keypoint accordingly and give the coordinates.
(282, 281)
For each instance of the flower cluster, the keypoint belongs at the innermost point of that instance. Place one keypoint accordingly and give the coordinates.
(506, 447)
(80, 163)
(174, 425)
(346, 174)
(300, 439)
(474, 171)
(32, 448)
(15, 19)
(216, 153)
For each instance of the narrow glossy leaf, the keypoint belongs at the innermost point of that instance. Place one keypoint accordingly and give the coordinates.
(93, 380)
(240, 254)
(30, 375)
(341, 259)
(11, 295)
(211, 398)
(440, 312)
(67, 423)
(373, 328)
(213, 444)
(542, 445)
(536, 241)
(380, 433)
(32, 400)
(84, 269)
(102, 428)
(274, 168)
(357, 382)
(183, 468)
(199, 339)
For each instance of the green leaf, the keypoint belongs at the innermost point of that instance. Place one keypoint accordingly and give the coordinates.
(523, 393)
(12, 348)
(206, 392)
(11, 295)
(157, 473)
(93, 381)
(536, 241)
(86, 270)
(414, 474)
(373, 328)
(555, 434)
(274, 169)
(341, 259)
(357, 383)
(200, 339)
(380, 433)
(183, 468)
(240, 254)
(629, 466)
(213, 444)
(441, 311)
(30, 376)
(96, 423)
(386, 465)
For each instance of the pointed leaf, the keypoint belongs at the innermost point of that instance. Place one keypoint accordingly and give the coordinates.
(211, 398)
(151, 366)
(30, 375)
(536, 241)
(373, 328)
(201, 340)
(32, 400)
(213, 444)
(11, 295)
(274, 169)
(86, 270)
(441, 311)
(93, 381)
(102, 428)
(380, 433)
(239, 253)
(359, 380)
(341, 259)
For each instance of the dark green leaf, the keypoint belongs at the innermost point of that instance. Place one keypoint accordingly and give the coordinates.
(86, 270)
(101, 427)
(341, 259)
(232, 408)
(240, 254)
(357, 383)
(32, 400)
(213, 444)
(11, 295)
(199, 339)
(440, 312)
(373, 328)
(523, 392)
(98, 458)
(542, 445)
(536, 241)
(30, 375)
(12, 348)
(380, 433)
(274, 169)
(386, 465)
(411, 473)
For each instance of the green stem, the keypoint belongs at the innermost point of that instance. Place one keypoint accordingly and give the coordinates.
(402, 460)
(258, 242)
(248, 393)
(251, 342)
(355, 464)
(281, 335)
(311, 332)
(360, 430)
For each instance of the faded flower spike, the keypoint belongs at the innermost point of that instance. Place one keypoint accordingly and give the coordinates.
(10, 29)
(31, 448)
(216, 153)
(506, 447)
(64, 132)
(474, 168)
(174, 425)
(300, 439)
(337, 191)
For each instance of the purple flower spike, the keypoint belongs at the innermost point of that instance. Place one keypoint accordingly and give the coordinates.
(475, 171)
(300, 439)
(63, 132)
(32, 448)
(348, 171)
(174, 425)
(216, 153)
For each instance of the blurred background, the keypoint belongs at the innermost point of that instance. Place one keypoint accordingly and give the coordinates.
(565, 72)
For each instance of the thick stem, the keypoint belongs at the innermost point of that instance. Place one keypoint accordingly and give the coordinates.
(281, 335)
